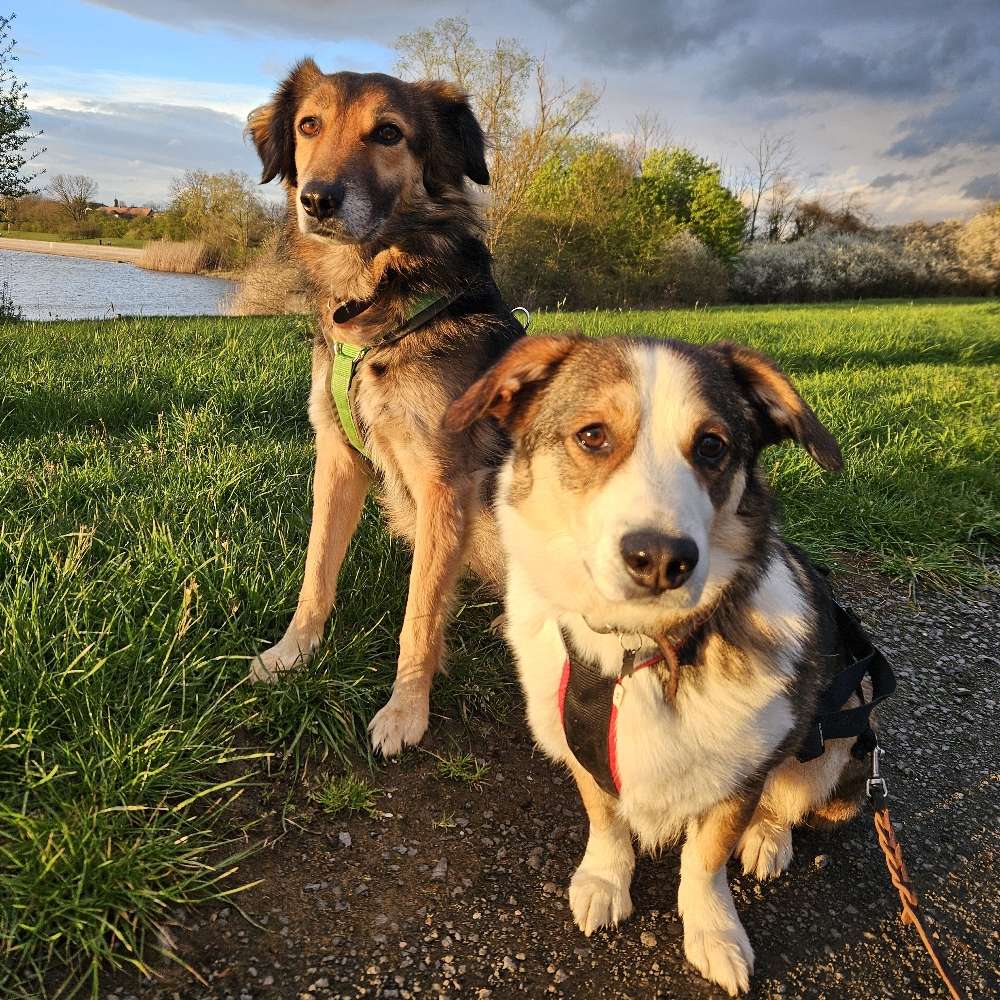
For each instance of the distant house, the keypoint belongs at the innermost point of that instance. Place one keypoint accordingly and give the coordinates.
(120, 211)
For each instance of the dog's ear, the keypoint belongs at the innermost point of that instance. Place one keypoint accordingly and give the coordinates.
(504, 388)
(460, 149)
(272, 126)
(782, 412)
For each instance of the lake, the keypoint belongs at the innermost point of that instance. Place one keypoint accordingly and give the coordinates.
(50, 287)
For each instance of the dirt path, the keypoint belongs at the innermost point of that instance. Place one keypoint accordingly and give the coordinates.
(461, 892)
(121, 255)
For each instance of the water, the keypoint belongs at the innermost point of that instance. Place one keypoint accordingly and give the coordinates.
(50, 287)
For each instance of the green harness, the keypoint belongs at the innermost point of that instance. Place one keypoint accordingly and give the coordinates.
(347, 357)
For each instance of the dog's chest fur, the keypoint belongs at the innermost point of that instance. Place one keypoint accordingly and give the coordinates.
(675, 761)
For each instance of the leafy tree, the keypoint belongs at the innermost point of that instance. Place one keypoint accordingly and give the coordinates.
(717, 217)
(16, 175)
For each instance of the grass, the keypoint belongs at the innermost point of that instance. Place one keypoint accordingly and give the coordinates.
(108, 241)
(186, 257)
(345, 794)
(463, 768)
(154, 481)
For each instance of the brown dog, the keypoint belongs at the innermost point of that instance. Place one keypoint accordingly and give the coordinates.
(378, 218)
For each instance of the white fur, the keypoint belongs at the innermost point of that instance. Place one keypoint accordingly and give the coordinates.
(675, 761)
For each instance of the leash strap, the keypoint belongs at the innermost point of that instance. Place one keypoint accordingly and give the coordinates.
(908, 901)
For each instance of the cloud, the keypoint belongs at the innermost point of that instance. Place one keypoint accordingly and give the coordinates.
(644, 31)
(972, 119)
(885, 181)
(135, 150)
(985, 188)
(292, 18)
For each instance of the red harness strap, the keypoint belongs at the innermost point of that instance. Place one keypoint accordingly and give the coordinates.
(612, 719)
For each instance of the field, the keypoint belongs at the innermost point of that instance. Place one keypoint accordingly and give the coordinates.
(154, 483)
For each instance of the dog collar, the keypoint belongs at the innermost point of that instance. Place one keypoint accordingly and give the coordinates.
(346, 357)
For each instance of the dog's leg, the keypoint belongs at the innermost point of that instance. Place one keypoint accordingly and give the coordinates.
(441, 516)
(599, 890)
(715, 942)
(339, 487)
(766, 845)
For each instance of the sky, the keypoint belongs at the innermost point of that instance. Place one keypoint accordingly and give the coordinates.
(896, 104)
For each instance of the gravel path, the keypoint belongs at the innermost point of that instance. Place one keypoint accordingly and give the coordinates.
(461, 892)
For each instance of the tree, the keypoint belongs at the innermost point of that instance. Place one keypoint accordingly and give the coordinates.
(678, 186)
(767, 179)
(501, 80)
(223, 209)
(16, 175)
(73, 193)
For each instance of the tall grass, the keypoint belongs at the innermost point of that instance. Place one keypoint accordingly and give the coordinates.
(187, 257)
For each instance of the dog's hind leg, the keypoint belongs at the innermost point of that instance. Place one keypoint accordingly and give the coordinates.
(339, 487)
(442, 512)
(599, 890)
(715, 942)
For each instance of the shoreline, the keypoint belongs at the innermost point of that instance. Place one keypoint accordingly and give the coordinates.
(85, 251)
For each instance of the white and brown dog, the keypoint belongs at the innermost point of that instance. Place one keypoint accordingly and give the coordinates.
(633, 516)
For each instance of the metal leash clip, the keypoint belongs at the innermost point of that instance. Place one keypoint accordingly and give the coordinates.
(526, 322)
(876, 780)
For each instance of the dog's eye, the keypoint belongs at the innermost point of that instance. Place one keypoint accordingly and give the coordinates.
(388, 134)
(593, 437)
(710, 448)
(309, 126)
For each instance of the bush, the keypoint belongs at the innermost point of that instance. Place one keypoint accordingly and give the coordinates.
(189, 257)
(979, 248)
(270, 285)
(691, 273)
(828, 265)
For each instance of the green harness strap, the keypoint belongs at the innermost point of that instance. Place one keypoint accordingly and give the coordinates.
(347, 357)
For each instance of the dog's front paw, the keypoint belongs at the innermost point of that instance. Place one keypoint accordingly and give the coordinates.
(721, 955)
(766, 850)
(598, 899)
(401, 721)
(293, 651)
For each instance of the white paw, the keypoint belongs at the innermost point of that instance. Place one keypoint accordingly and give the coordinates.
(598, 899)
(401, 721)
(766, 850)
(722, 956)
(293, 650)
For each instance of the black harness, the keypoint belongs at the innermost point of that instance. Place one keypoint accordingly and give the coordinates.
(589, 699)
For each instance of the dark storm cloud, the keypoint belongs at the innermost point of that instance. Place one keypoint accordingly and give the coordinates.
(971, 119)
(799, 61)
(886, 181)
(983, 188)
(642, 31)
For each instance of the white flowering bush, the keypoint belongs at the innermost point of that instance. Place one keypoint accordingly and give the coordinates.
(828, 265)
(979, 247)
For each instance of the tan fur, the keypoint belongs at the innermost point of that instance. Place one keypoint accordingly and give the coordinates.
(402, 226)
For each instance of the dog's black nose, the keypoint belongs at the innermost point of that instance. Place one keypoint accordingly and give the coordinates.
(320, 199)
(658, 562)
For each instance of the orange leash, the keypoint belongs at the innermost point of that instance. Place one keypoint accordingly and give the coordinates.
(893, 851)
